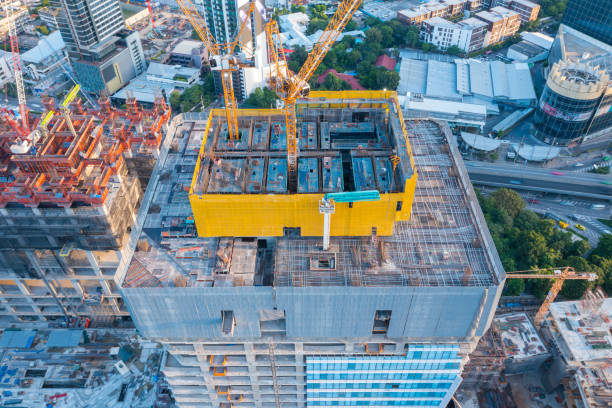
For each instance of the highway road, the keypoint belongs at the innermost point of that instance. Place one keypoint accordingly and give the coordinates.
(572, 210)
(540, 180)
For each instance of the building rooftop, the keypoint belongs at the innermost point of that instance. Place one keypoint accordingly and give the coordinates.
(439, 21)
(445, 242)
(47, 46)
(471, 22)
(78, 368)
(527, 48)
(170, 72)
(495, 14)
(519, 337)
(539, 39)
(463, 78)
(584, 329)
(186, 47)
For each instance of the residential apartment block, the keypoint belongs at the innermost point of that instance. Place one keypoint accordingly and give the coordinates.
(439, 8)
(501, 24)
(469, 35)
(49, 16)
(528, 10)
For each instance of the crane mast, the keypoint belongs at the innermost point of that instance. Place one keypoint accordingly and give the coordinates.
(290, 87)
(222, 58)
(568, 273)
(12, 29)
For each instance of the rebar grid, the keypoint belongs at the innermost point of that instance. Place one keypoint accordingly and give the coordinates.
(439, 246)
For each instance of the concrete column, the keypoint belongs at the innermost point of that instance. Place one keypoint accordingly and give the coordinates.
(93, 262)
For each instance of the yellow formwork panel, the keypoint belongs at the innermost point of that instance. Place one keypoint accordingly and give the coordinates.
(252, 215)
(258, 215)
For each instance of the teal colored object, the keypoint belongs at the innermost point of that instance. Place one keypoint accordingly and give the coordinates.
(354, 196)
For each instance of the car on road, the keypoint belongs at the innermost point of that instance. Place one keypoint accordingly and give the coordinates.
(606, 232)
(533, 201)
(579, 164)
(556, 173)
(606, 182)
(580, 227)
(598, 206)
(516, 182)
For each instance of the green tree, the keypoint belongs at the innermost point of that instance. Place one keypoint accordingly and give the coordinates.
(333, 83)
(508, 200)
(194, 34)
(454, 50)
(297, 59)
(351, 26)
(175, 101)
(604, 247)
(427, 47)
(43, 29)
(373, 36)
(514, 287)
(261, 98)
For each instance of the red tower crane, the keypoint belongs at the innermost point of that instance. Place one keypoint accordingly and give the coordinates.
(22, 129)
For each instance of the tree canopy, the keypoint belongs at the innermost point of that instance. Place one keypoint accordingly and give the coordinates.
(261, 98)
(195, 95)
(525, 241)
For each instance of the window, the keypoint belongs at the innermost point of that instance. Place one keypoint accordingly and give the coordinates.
(381, 321)
(227, 322)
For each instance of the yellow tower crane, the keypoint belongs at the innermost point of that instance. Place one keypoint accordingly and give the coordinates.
(223, 58)
(290, 86)
(560, 275)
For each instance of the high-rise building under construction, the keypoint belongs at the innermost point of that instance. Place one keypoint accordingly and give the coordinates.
(367, 285)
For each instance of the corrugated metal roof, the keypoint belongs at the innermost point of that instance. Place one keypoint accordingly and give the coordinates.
(64, 338)
(17, 338)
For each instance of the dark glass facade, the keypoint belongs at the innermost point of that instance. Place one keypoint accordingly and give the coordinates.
(560, 119)
(591, 17)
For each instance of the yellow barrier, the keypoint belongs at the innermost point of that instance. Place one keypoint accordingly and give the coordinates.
(252, 215)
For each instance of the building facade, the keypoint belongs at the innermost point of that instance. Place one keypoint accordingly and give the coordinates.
(104, 55)
(49, 16)
(439, 8)
(19, 14)
(46, 64)
(468, 35)
(576, 101)
(591, 17)
(223, 17)
(502, 23)
(527, 10)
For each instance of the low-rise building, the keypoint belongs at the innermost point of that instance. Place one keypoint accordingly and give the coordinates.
(160, 79)
(49, 16)
(468, 35)
(115, 69)
(439, 8)
(6, 73)
(527, 10)
(188, 53)
(19, 13)
(45, 65)
(502, 23)
(581, 330)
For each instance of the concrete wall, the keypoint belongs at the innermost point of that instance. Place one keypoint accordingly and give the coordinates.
(418, 313)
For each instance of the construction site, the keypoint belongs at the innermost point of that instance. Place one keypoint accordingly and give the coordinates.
(76, 368)
(71, 184)
(582, 332)
(241, 311)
